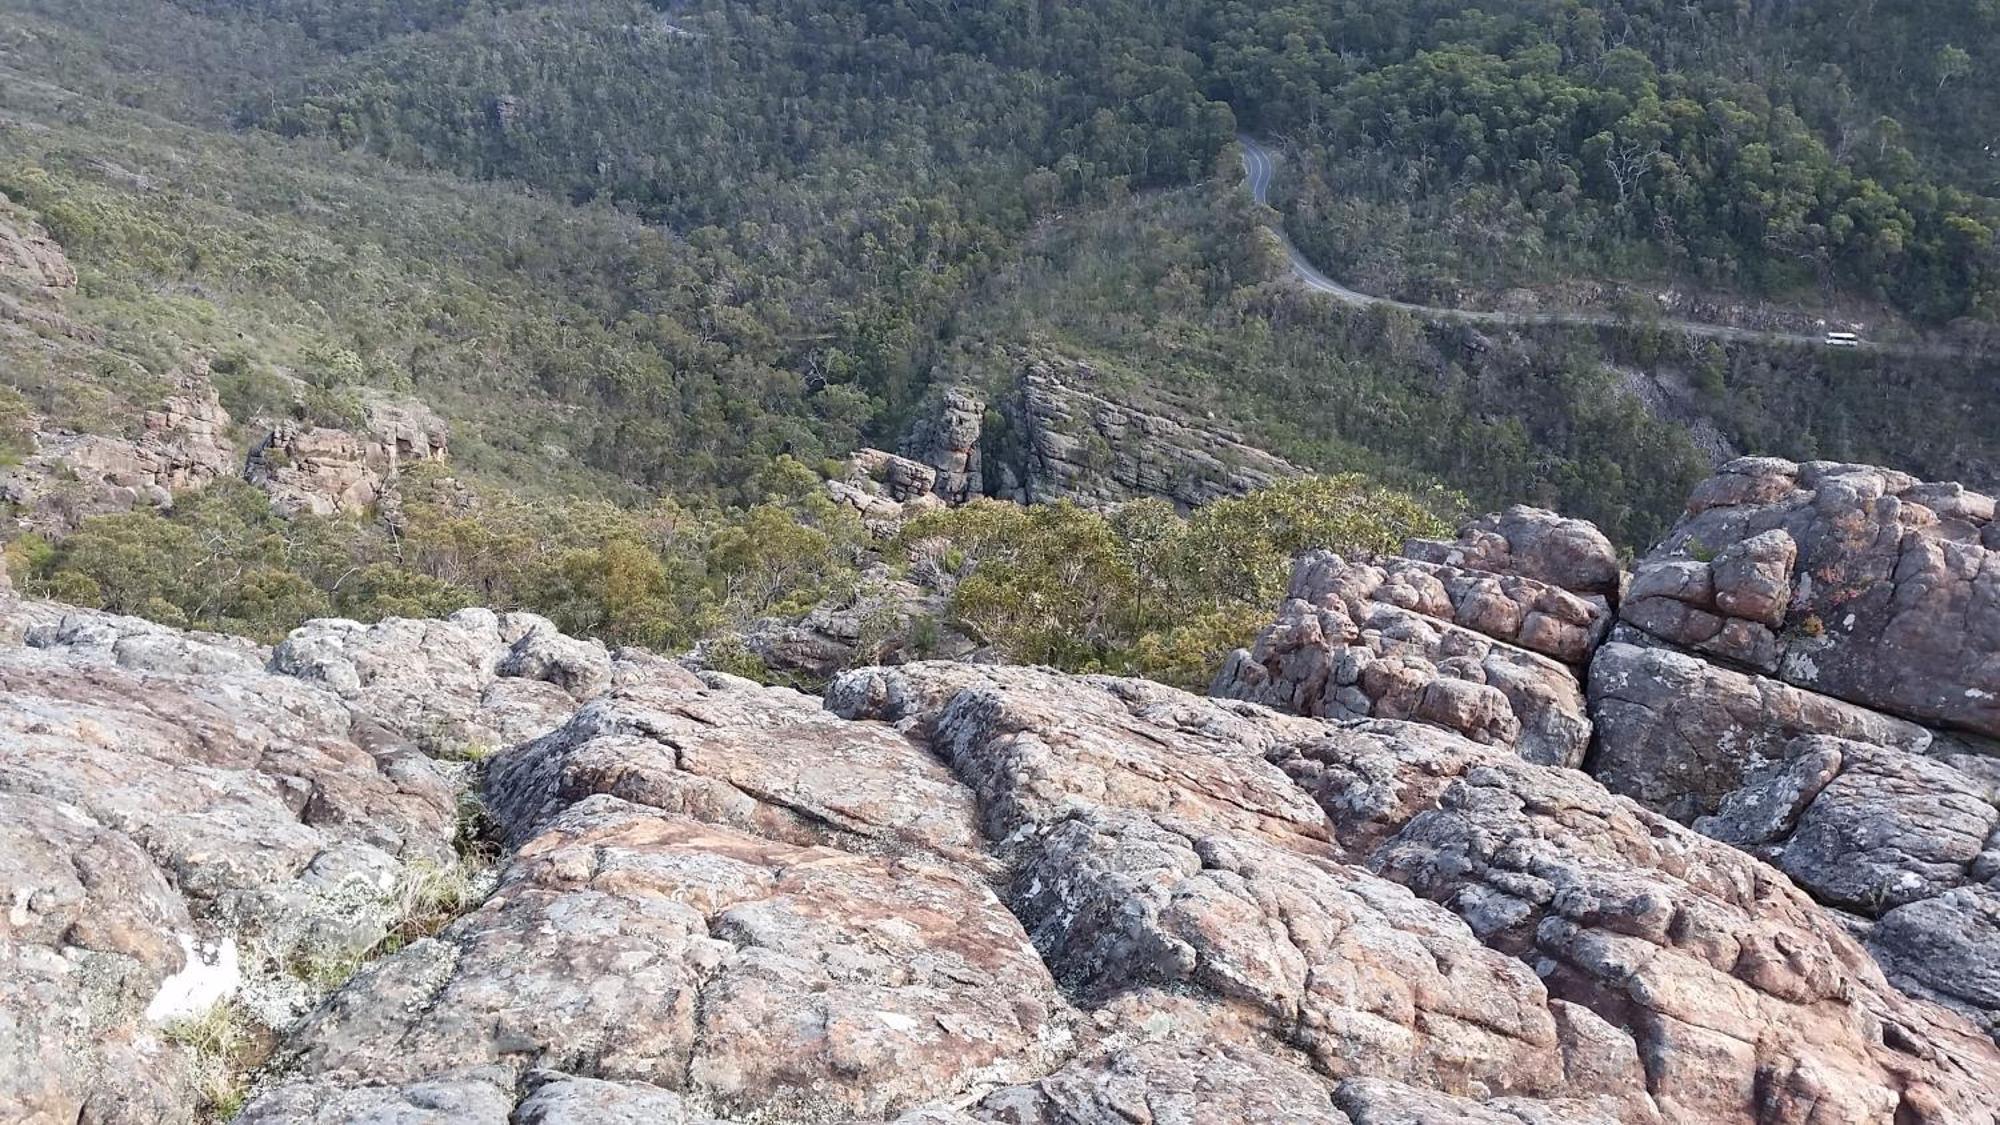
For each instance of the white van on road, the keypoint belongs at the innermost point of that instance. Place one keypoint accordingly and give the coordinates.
(1842, 340)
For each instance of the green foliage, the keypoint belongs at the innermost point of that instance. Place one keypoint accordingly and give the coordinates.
(1530, 417)
(660, 576)
(637, 249)
(17, 429)
(1144, 590)
(1514, 139)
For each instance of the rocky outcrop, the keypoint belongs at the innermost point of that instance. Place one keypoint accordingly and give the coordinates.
(1385, 639)
(179, 825)
(407, 430)
(885, 489)
(35, 278)
(1073, 442)
(324, 471)
(183, 444)
(1673, 977)
(1681, 734)
(1794, 659)
(1065, 435)
(1742, 998)
(1532, 543)
(469, 684)
(946, 437)
(190, 818)
(1860, 583)
(950, 893)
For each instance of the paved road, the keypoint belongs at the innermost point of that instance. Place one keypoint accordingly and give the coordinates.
(1260, 166)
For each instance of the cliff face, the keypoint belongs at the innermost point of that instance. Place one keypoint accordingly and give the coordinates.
(1057, 433)
(1370, 885)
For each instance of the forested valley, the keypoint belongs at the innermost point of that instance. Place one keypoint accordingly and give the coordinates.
(662, 265)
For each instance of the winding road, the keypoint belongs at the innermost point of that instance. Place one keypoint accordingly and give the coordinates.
(1260, 166)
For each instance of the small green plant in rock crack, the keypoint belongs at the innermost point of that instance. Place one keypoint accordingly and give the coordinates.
(426, 897)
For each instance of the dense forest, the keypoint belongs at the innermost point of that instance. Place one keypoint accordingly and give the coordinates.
(642, 252)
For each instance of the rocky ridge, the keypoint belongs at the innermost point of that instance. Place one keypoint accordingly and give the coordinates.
(951, 893)
(324, 470)
(1063, 435)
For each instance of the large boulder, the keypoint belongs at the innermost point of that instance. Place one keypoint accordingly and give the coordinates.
(1384, 640)
(1852, 581)
(1808, 669)
(1681, 734)
(469, 684)
(1532, 543)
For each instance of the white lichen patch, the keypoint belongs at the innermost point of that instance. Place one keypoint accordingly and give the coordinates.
(209, 977)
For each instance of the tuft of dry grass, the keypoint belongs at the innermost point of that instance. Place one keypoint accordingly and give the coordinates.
(220, 1043)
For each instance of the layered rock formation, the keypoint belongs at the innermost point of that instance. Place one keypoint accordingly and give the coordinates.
(183, 444)
(946, 437)
(885, 489)
(1805, 668)
(1484, 639)
(1860, 583)
(323, 471)
(1813, 673)
(1064, 435)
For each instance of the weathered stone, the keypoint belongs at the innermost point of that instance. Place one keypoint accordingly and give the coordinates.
(1357, 973)
(946, 438)
(1947, 949)
(1728, 608)
(1681, 735)
(764, 760)
(1354, 657)
(324, 471)
(481, 1096)
(1035, 745)
(883, 620)
(1082, 445)
(903, 479)
(1867, 593)
(176, 823)
(30, 260)
(1168, 1060)
(1153, 846)
(1070, 437)
(759, 977)
(407, 431)
(1533, 543)
(1524, 612)
(1745, 1000)
(476, 680)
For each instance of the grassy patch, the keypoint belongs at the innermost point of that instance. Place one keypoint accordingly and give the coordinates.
(221, 1045)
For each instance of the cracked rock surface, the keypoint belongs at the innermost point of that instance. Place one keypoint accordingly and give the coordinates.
(950, 893)
(1398, 639)
(1807, 668)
